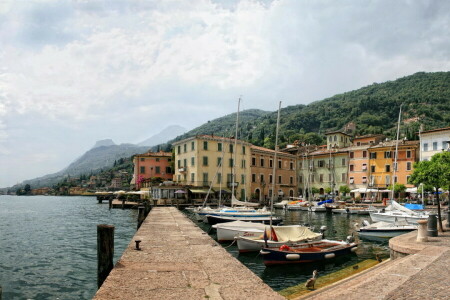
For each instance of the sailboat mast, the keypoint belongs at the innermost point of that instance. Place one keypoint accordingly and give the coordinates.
(396, 152)
(233, 171)
(274, 163)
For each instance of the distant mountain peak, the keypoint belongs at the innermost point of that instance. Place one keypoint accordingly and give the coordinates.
(165, 135)
(106, 142)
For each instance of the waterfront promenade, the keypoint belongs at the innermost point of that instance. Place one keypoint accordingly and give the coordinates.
(422, 274)
(178, 260)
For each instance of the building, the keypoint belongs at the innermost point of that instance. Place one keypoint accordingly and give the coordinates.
(207, 161)
(358, 164)
(150, 165)
(434, 141)
(382, 159)
(262, 160)
(337, 139)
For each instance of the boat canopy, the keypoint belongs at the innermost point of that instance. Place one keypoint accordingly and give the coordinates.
(297, 233)
(325, 201)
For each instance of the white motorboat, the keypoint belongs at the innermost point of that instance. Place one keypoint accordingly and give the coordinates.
(395, 213)
(383, 230)
(228, 231)
(277, 236)
(281, 205)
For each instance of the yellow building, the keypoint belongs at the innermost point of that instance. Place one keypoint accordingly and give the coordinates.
(207, 160)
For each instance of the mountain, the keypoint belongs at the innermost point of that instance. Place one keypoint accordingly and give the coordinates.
(107, 142)
(166, 134)
(374, 109)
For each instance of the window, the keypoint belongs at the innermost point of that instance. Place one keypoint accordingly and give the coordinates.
(335, 138)
(279, 179)
(270, 178)
(168, 170)
(329, 177)
(262, 162)
(243, 164)
(352, 168)
(253, 161)
(192, 146)
(408, 166)
(205, 179)
(243, 149)
(343, 177)
(364, 167)
(343, 162)
(229, 178)
(184, 162)
(158, 170)
(205, 145)
(395, 167)
(444, 145)
(373, 155)
(142, 170)
(300, 179)
(157, 159)
(231, 148)
(395, 179)
(219, 161)
(242, 193)
(205, 160)
(231, 163)
(300, 164)
(219, 147)
(270, 163)
(184, 148)
(425, 147)
(408, 153)
(291, 165)
(253, 177)
(142, 159)
(387, 179)
(387, 168)
(364, 179)
(364, 154)
(291, 180)
(351, 180)
(261, 178)
(372, 169)
(331, 138)
(321, 178)
(219, 177)
(352, 154)
(312, 178)
(279, 164)
(407, 178)
(434, 146)
(387, 154)
(192, 161)
(179, 163)
(179, 149)
(358, 143)
(192, 177)
(321, 163)
(242, 179)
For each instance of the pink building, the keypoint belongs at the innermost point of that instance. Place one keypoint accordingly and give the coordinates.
(152, 164)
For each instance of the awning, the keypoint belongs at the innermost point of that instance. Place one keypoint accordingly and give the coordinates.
(199, 191)
(226, 191)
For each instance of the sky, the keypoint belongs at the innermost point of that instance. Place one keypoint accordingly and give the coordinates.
(74, 72)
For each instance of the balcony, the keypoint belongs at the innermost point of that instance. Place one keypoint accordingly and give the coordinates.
(231, 184)
(182, 170)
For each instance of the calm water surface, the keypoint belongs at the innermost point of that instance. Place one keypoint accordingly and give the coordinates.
(284, 276)
(48, 245)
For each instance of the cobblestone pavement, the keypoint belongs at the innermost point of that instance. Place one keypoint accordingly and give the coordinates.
(179, 261)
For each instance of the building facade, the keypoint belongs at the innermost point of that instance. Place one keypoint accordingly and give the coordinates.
(434, 141)
(262, 181)
(208, 161)
(150, 165)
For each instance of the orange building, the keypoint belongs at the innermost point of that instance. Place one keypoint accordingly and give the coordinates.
(382, 159)
(152, 164)
(261, 168)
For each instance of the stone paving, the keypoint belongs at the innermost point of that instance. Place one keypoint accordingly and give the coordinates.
(179, 261)
(423, 274)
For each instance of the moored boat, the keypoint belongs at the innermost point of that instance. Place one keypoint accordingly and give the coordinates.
(214, 219)
(229, 230)
(383, 230)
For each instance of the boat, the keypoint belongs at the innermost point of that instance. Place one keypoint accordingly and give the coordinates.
(297, 205)
(396, 212)
(383, 230)
(277, 236)
(281, 205)
(320, 206)
(307, 252)
(229, 230)
(215, 219)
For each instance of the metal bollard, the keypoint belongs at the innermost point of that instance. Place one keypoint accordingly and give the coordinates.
(432, 225)
(422, 231)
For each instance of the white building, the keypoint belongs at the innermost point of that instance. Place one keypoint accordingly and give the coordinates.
(434, 141)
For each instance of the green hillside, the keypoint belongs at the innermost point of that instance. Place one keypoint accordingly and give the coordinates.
(374, 109)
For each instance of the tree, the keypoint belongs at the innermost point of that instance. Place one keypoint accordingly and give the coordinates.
(344, 189)
(27, 189)
(315, 190)
(398, 188)
(327, 190)
(435, 172)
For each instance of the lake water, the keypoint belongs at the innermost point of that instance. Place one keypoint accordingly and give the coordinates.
(48, 245)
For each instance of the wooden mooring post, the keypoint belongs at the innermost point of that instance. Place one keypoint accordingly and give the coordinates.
(110, 200)
(105, 252)
(141, 216)
(147, 206)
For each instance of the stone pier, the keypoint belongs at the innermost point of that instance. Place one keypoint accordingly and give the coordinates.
(178, 260)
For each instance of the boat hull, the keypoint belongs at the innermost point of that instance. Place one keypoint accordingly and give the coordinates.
(392, 218)
(382, 233)
(225, 234)
(212, 220)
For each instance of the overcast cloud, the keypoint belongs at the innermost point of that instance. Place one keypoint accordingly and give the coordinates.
(73, 72)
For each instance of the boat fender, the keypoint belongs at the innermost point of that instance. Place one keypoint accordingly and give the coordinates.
(262, 252)
(330, 255)
(292, 256)
(354, 249)
(285, 248)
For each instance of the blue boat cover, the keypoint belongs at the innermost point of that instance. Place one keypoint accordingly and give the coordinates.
(325, 201)
(413, 206)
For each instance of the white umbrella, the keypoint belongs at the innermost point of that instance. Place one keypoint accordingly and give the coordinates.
(411, 190)
(120, 192)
